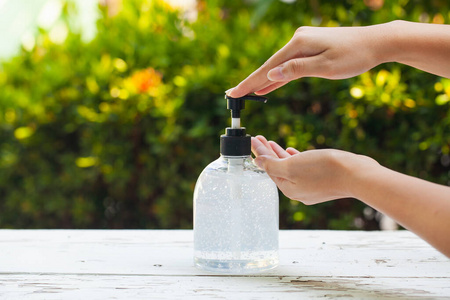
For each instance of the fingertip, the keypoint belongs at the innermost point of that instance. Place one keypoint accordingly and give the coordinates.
(235, 92)
(272, 144)
(228, 92)
(258, 147)
(292, 151)
(261, 138)
(279, 151)
(255, 141)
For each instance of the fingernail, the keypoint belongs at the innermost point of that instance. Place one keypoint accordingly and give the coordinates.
(275, 74)
(229, 91)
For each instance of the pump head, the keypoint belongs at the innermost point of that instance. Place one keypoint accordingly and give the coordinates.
(235, 142)
(238, 104)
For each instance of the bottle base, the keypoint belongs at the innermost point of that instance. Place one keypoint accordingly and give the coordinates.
(236, 266)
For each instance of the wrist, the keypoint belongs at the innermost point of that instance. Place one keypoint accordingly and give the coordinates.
(385, 41)
(358, 174)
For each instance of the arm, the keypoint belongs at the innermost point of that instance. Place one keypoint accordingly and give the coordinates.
(418, 205)
(420, 45)
(343, 52)
(320, 175)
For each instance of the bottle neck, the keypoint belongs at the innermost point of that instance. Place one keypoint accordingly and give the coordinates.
(235, 157)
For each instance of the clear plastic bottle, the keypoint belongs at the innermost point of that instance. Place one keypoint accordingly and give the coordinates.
(235, 206)
(235, 217)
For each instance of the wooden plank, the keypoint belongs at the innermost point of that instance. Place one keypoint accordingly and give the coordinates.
(158, 264)
(33, 286)
(150, 252)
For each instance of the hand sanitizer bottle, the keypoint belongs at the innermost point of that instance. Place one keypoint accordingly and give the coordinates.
(235, 206)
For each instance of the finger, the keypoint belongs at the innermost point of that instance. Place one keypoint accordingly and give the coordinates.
(279, 175)
(252, 83)
(278, 150)
(274, 167)
(292, 151)
(270, 88)
(286, 72)
(266, 143)
(258, 148)
(296, 68)
(258, 79)
(283, 184)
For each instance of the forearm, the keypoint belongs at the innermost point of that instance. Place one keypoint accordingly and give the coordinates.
(420, 206)
(420, 45)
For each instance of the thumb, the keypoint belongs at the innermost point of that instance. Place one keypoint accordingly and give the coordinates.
(295, 68)
(274, 167)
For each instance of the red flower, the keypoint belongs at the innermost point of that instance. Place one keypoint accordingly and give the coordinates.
(146, 80)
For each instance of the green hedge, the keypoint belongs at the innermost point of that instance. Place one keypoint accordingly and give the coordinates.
(114, 133)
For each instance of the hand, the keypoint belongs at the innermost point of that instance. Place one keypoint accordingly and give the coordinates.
(317, 176)
(312, 176)
(343, 52)
(327, 52)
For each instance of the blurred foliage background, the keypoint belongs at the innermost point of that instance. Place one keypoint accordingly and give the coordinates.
(113, 133)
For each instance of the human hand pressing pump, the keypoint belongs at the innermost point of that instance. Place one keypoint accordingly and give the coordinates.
(344, 52)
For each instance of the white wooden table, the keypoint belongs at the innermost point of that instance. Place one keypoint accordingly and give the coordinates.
(158, 264)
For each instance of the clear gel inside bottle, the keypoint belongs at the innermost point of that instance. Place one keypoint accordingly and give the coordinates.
(235, 217)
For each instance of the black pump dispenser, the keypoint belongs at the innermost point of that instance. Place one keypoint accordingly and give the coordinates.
(235, 141)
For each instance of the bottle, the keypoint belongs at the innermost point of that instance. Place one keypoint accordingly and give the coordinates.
(235, 206)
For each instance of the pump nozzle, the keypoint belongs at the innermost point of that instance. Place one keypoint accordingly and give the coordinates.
(238, 104)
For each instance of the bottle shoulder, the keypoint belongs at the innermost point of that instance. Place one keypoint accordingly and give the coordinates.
(221, 176)
(234, 166)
